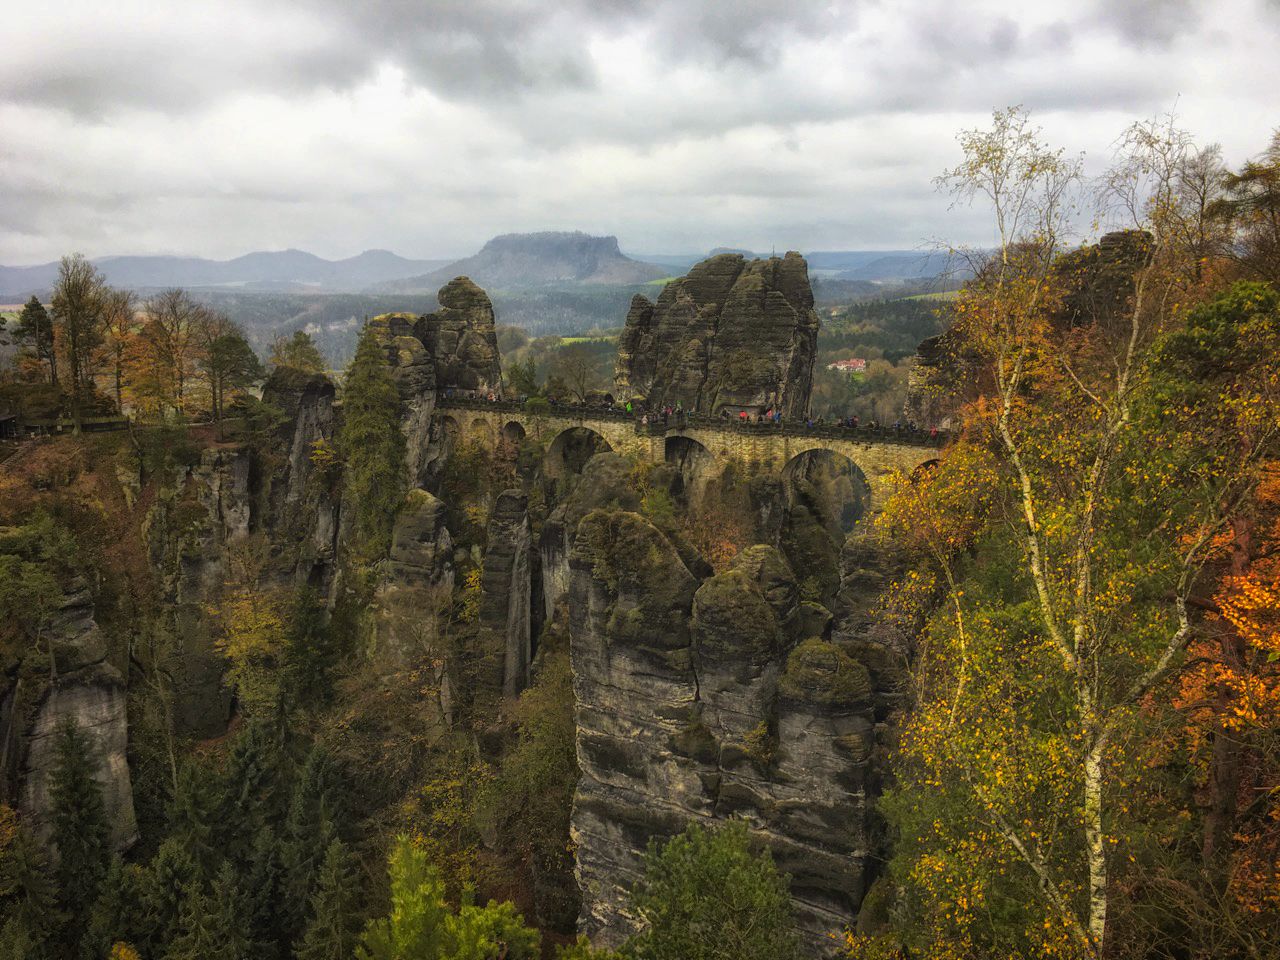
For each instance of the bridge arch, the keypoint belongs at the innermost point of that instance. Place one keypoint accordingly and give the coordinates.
(570, 450)
(830, 486)
(445, 431)
(513, 432)
(693, 463)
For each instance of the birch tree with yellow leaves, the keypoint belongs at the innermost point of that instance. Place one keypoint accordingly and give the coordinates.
(1069, 532)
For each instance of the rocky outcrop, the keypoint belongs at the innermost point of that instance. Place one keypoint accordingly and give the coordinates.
(306, 402)
(708, 701)
(303, 505)
(815, 803)
(606, 481)
(93, 698)
(414, 368)
(462, 339)
(417, 581)
(732, 334)
(190, 529)
(81, 686)
(505, 589)
(641, 746)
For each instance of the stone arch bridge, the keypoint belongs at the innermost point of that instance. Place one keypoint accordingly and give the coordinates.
(880, 455)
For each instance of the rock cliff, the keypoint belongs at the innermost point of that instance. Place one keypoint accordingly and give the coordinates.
(414, 370)
(81, 685)
(462, 339)
(417, 581)
(302, 504)
(505, 607)
(732, 334)
(724, 698)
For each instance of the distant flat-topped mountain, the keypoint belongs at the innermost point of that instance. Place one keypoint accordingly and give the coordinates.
(274, 270)
(522, 260)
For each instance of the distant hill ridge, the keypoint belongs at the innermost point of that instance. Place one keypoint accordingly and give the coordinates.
(267, 270)
(508, 262)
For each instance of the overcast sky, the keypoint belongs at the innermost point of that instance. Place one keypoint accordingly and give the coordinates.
(427, 126)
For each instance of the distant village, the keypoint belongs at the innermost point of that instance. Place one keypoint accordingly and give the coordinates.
(851, 365)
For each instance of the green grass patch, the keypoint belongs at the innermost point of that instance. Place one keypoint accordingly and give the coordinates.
(660, 282)
(941, 295)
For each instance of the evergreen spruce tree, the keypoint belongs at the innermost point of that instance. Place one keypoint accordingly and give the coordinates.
(32, 910)
(421, 924)
(334, 928)
(706, 896)
(310, 652)
(79, 825)
(196, 932)
(316, 818)
(195, 818)
(232, 916)
(251, 789)
(298, 352)
(266, 886)
(372, 448)
(35, 325)
(116, 914)
(214, 926)
(170, 880)
(17, 941)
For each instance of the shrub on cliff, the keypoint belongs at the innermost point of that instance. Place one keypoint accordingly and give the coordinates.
(706, 896)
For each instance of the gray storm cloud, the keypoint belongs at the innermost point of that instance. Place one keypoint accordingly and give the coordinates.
(215, 128)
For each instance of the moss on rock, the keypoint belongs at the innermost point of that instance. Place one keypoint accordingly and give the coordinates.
(730, 616)
(821, 673)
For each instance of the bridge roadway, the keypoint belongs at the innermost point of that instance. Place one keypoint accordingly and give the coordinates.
(881, 455)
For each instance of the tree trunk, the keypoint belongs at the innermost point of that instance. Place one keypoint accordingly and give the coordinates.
(1096, 844)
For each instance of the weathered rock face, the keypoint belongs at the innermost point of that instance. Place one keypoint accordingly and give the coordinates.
(90, 692)
(94, 699)
(732, 334)
(815, 802)
(301, 510)
(506, 585)
(462, 340)
(640, 742)
(418, 579)
(605, 482)
(414, 369)
(189, 530)
(725, 699)
(306, 400)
